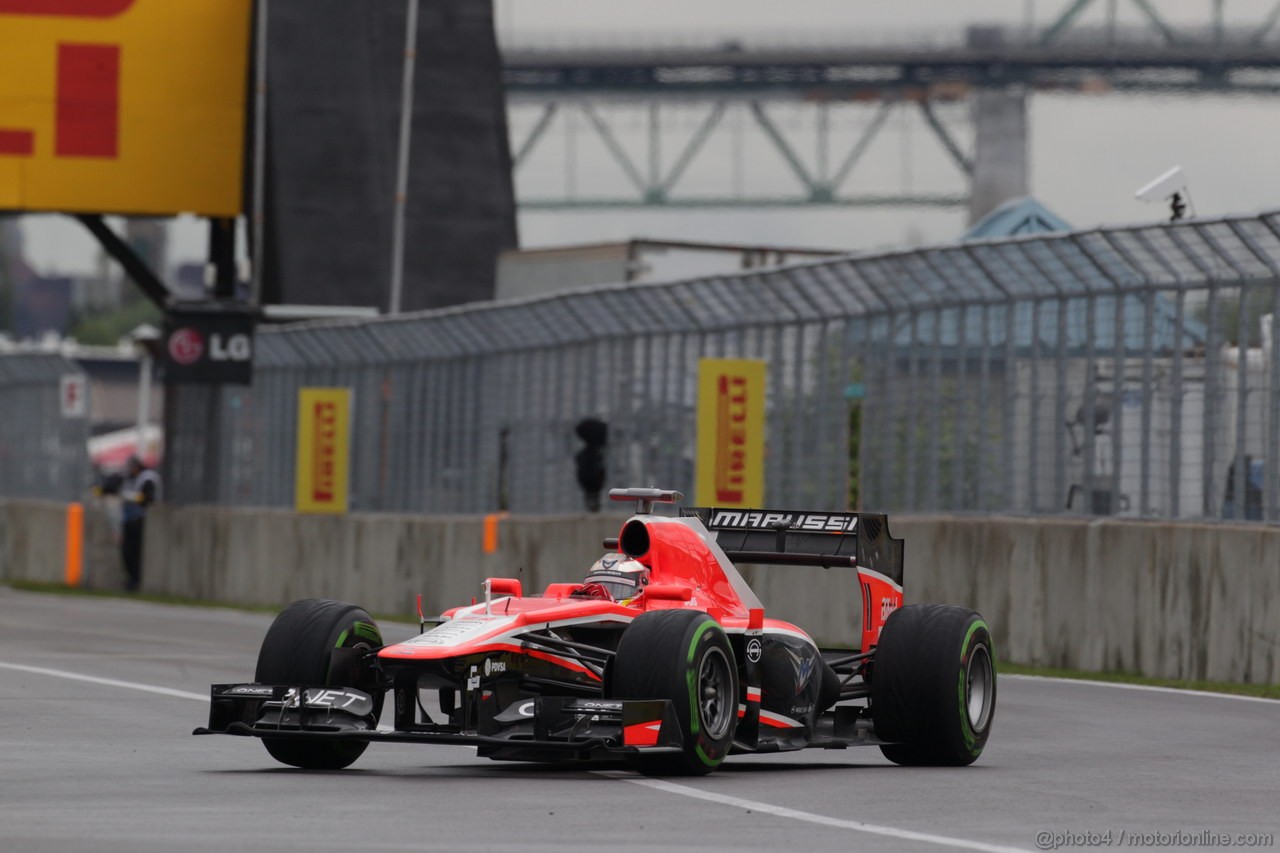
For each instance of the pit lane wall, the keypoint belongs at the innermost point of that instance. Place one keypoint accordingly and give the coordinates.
(1160, 599)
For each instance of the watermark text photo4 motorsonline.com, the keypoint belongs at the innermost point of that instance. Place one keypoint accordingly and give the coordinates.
(1177, 838)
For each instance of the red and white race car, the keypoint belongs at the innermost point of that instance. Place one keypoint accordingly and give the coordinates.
(663, 656)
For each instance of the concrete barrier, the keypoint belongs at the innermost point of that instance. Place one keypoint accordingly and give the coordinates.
(1177, 601)
(1169, 600)
(32, 540)
(381, 561)
(33, 543)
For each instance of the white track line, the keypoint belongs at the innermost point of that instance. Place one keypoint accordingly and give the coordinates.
(809, 817)
(109, 682)
(708, 796)
(1150, 688)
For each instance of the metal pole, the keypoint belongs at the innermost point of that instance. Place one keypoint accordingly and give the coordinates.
(1175, 408)
(933, 490)
(1241, 456)
(1090, 400)
(1009, 403)
(1148, 370)
(1034, 480)
(402, 158)
(259, 151)
(655, 152)
(144, 402)
(1209, 429)
(222, 257)
(984, 412)
(1060, 409)
(1272, 497)
(1117, 402)
(909, 422)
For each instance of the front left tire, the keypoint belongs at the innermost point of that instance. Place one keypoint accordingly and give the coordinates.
(299, 649)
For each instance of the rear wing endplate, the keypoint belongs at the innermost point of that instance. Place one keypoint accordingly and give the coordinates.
(801, 538)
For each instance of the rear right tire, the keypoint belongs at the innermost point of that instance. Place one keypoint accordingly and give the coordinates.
(933, 686)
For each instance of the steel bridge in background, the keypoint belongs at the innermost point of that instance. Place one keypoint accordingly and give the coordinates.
(612, 93)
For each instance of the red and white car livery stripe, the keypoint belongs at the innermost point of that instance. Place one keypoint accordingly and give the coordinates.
(769, 718)
(470, 631)
(642, 734)
(881, 595)
(779, 721)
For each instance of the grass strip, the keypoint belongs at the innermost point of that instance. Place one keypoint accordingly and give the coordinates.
(1264, 691)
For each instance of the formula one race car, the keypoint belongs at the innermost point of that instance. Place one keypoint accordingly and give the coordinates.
(663, 657)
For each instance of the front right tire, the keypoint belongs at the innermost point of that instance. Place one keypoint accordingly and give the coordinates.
(684, 656)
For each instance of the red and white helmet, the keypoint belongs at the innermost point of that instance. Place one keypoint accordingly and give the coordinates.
(622, 578)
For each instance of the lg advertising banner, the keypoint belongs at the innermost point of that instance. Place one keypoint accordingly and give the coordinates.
(208, 343)
(324, 444)
(123, 106)
(730, 468)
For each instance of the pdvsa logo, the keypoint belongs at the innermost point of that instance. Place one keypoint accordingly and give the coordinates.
(494, 666)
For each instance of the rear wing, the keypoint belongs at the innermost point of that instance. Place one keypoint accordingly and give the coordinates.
(793, 538)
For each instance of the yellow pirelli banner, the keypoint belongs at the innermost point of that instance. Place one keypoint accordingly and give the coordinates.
(123, 106)
(730, 465)
(324, 449)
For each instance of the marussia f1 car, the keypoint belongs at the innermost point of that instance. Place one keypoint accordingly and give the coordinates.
(663, 657)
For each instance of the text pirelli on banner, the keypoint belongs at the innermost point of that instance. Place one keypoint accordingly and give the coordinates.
(324, 442)
(123, 106)
(730, 466)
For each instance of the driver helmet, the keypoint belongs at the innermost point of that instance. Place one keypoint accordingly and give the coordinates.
(624, 579)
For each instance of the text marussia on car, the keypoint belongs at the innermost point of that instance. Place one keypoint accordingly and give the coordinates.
(674, 678)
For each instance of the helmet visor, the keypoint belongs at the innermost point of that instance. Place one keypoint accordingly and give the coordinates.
(621, 586)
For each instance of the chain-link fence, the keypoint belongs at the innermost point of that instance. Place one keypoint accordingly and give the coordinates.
(1121, 371)
(44, 427)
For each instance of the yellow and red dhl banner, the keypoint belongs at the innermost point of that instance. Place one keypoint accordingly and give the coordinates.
(730, 466)
(324, 449)
(123, 106)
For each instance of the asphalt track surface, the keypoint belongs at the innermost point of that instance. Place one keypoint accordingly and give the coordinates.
(98, 698)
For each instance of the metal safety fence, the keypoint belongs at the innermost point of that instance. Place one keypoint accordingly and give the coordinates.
(1125, 371)
(44, 427)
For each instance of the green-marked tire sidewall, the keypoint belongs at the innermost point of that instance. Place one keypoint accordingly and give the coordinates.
(660, 656)
(919, 695)
(978, 635)
(709, 752)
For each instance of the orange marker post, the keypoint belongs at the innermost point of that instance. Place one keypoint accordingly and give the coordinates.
(74, 568)
(491, 531)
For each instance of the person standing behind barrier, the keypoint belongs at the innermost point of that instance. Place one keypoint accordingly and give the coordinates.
(140, 489)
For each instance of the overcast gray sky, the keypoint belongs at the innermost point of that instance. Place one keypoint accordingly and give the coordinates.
(1088, 153)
